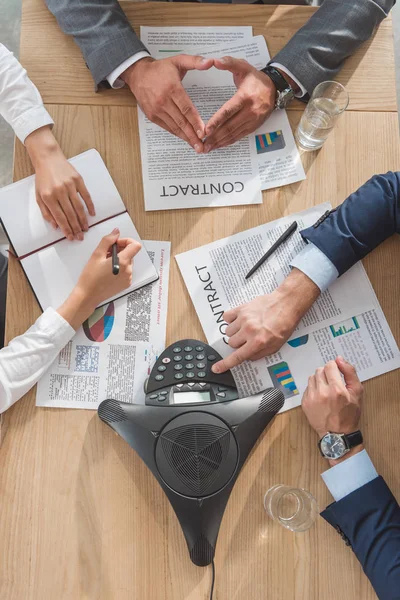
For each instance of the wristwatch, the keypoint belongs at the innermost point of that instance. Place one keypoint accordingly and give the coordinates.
(335, 445)
(284, 91)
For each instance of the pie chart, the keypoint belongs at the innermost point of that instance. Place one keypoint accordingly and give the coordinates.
(98, 326)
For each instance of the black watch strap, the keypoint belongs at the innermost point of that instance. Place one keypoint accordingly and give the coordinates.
(354, 439)
(277, 79)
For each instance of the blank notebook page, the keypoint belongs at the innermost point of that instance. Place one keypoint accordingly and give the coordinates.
(54, 271)
(23, 221)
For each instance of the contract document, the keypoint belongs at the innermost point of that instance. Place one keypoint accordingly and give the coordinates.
(346, 319)
(271, 147)
(111, 355)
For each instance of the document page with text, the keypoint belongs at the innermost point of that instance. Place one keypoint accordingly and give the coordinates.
(346, 319)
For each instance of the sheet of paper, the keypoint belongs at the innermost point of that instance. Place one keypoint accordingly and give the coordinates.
(174, 176)
(174, 40)
(278, 158)
(54, 271)
(31, 231)
(347, 315)
(112, 353)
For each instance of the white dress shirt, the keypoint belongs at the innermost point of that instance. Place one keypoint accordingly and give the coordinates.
(20, 102)
(316, 265)
(28, 356)
(349, 475)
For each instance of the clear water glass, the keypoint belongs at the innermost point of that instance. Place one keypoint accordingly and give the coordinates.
(294, 508)
(328, 101)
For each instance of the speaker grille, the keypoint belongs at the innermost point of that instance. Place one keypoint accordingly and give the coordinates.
(110, 411)
(272, 401)
(195, 453)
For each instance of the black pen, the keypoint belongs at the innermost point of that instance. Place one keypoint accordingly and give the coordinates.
(115, 259)
(274, 246)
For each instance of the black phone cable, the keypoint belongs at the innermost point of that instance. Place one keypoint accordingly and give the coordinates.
(212, 580)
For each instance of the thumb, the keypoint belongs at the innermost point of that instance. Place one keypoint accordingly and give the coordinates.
(107, 241)
(130, 250)
(186, 62)
(348, 371)
(235, 65)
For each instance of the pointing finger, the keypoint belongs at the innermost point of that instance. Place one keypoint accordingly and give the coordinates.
(233, 360)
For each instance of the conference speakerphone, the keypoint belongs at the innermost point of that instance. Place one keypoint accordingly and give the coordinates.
(194, 433)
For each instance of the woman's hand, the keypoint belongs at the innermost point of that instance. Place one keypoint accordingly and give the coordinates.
(58, 185)
(97, 282)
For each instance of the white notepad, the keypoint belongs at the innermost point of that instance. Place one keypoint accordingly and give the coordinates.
(53, 264)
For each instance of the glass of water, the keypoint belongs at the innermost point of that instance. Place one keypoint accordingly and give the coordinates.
(326, 104)
(294, 508)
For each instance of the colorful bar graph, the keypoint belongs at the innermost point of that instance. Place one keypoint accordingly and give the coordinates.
(267, 142)
(282, 379)
(346, 327)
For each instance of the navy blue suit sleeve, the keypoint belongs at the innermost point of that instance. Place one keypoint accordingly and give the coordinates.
(361, 223)
(370, 520)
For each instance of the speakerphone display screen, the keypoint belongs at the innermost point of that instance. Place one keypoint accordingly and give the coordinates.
(191, 397)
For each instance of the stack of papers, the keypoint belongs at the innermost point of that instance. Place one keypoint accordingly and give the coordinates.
(174, 176)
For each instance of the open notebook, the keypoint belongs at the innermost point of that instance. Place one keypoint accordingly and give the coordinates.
(51, 263)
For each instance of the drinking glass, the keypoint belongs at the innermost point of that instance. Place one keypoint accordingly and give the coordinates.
(326, 104)
(294, 508)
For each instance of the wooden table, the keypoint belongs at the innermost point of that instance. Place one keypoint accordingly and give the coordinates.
(81, 517)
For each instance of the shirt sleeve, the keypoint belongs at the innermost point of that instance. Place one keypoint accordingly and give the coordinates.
(303, 90)
(20, 102)
(316, 265)
(28, 356)
(114, 77)
(349, 475)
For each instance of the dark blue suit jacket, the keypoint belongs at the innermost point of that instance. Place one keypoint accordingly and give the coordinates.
(369, 518)
(361, 223)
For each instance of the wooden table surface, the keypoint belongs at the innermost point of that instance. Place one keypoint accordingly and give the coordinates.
(81, 517)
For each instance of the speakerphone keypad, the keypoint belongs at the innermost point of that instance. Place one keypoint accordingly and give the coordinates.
(191, 363)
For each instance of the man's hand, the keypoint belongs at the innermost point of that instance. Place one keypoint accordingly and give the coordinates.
(262, 326)
(246, 110)
(60, 189)
(333, 404)
(157, 87)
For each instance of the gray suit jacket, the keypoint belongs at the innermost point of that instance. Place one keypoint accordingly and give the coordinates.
(314, 54)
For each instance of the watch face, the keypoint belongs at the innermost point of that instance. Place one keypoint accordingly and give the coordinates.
(284, 98)
(333, 446)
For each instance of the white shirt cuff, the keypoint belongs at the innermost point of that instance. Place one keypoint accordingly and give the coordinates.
(30, 121)
(349, 475)
(114, 79)
(316, 265)
(303, 90)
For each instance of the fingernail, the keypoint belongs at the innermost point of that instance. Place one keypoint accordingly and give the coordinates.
(115, 231)
(54, 225)
(210, 130)
(207, 148)
(223, 59)
(199, 134)
(204, 60)
(86, 228)
(70, 237)
(215, 369)
(79, 236)
(197, 148)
